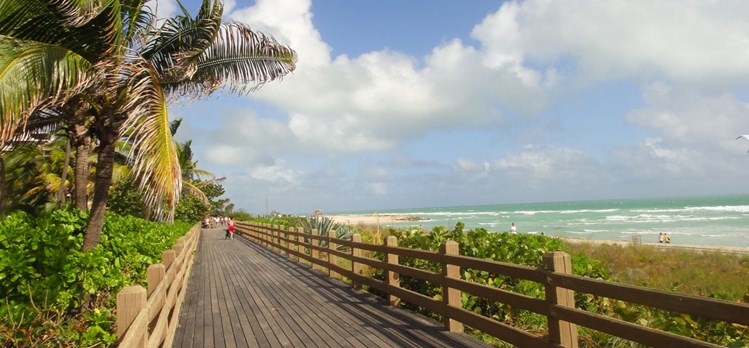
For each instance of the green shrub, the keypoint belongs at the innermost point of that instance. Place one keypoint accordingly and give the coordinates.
(55, 295)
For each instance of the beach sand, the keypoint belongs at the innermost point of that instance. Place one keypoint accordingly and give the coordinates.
(387, 219)
(372, 219)
(703, 248)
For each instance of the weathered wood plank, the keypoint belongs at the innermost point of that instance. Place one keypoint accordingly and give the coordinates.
(242, 295)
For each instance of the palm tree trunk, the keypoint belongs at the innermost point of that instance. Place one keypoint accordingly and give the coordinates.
(81, 173)
(103, 181)
(61, 194)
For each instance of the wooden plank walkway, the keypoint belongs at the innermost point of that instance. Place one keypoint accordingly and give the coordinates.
(242, 295)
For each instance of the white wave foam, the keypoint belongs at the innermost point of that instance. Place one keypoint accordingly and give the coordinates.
(721, 208)
(651, 218)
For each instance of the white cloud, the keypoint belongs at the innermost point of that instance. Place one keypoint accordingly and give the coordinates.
(289, 21)
(164, 8)
(376, 101)
(546, 163)
(378, 189)
(469, 166)
(695, 42)
(688, 56)
(688, 117)
(276, 173)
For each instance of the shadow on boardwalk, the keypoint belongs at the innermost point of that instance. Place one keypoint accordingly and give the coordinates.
(242, 295)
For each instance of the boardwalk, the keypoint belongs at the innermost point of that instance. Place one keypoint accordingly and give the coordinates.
(242, 295)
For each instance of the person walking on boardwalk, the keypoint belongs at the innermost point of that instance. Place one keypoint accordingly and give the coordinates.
(230, 228)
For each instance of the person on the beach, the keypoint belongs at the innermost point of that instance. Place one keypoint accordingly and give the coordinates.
(660, 237)
(513, 229)
(667, 238)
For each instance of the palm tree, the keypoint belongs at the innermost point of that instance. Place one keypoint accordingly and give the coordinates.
(109, 56)
(32, 171)
(49, 120)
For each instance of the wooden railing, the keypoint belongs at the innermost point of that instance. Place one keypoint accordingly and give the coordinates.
(558, 305)
(149, 318)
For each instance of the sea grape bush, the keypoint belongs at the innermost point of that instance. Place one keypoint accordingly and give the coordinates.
(519, 249)
(528, 250)
(55, 295)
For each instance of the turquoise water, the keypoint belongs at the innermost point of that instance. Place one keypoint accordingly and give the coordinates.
(717, 220)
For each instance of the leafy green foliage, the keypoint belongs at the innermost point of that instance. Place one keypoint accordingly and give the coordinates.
(126, 199)
(190, 209)
(240, 215)
(519, 249)
(30, 178)
(213, 191)
(528, 250)
(46, 279)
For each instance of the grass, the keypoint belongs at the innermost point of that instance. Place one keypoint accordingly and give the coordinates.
(708, 274)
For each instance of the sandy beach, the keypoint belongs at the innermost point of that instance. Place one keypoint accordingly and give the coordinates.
(372, 219)
(707, 248)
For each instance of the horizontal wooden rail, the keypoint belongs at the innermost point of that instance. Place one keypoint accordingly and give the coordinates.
(149, 318)
(557, 305)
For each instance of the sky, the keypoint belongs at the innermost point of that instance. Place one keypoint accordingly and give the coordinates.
(412, 104)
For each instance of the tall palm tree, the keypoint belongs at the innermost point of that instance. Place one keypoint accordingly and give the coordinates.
(49, 120)
(109, 55)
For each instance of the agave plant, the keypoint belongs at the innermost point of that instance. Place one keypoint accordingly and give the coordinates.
(324, 225)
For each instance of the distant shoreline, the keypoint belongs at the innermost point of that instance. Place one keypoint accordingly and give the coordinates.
(723, 249)
(373, 219)
(386, 219)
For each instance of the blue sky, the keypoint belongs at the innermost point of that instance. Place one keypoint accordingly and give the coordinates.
(405, 104)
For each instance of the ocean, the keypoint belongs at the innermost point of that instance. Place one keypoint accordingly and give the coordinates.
(712, 220)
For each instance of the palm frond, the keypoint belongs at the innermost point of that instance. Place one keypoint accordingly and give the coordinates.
(34, 74)
(155, 161)
(91, 28)
(240, 59)
(200, 173)
(139, 18)
(174, 126)
(79, 12)
(175, 48)
(195, 191)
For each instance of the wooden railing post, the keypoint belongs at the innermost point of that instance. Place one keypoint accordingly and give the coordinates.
(451, 296)
(332, 258)
(130, 300)
(253, 232)
(314, 253)
(393, 278)
(355, 266)
(300, 244)
(177, 247)
(560, 332)
(167, 257)
(154, 275)
(294, 244)
(271, 237)
(288, 244)
(277, 234)
(264, 235)
(274, 238)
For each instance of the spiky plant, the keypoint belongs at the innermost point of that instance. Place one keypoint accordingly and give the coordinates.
(324, 225)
